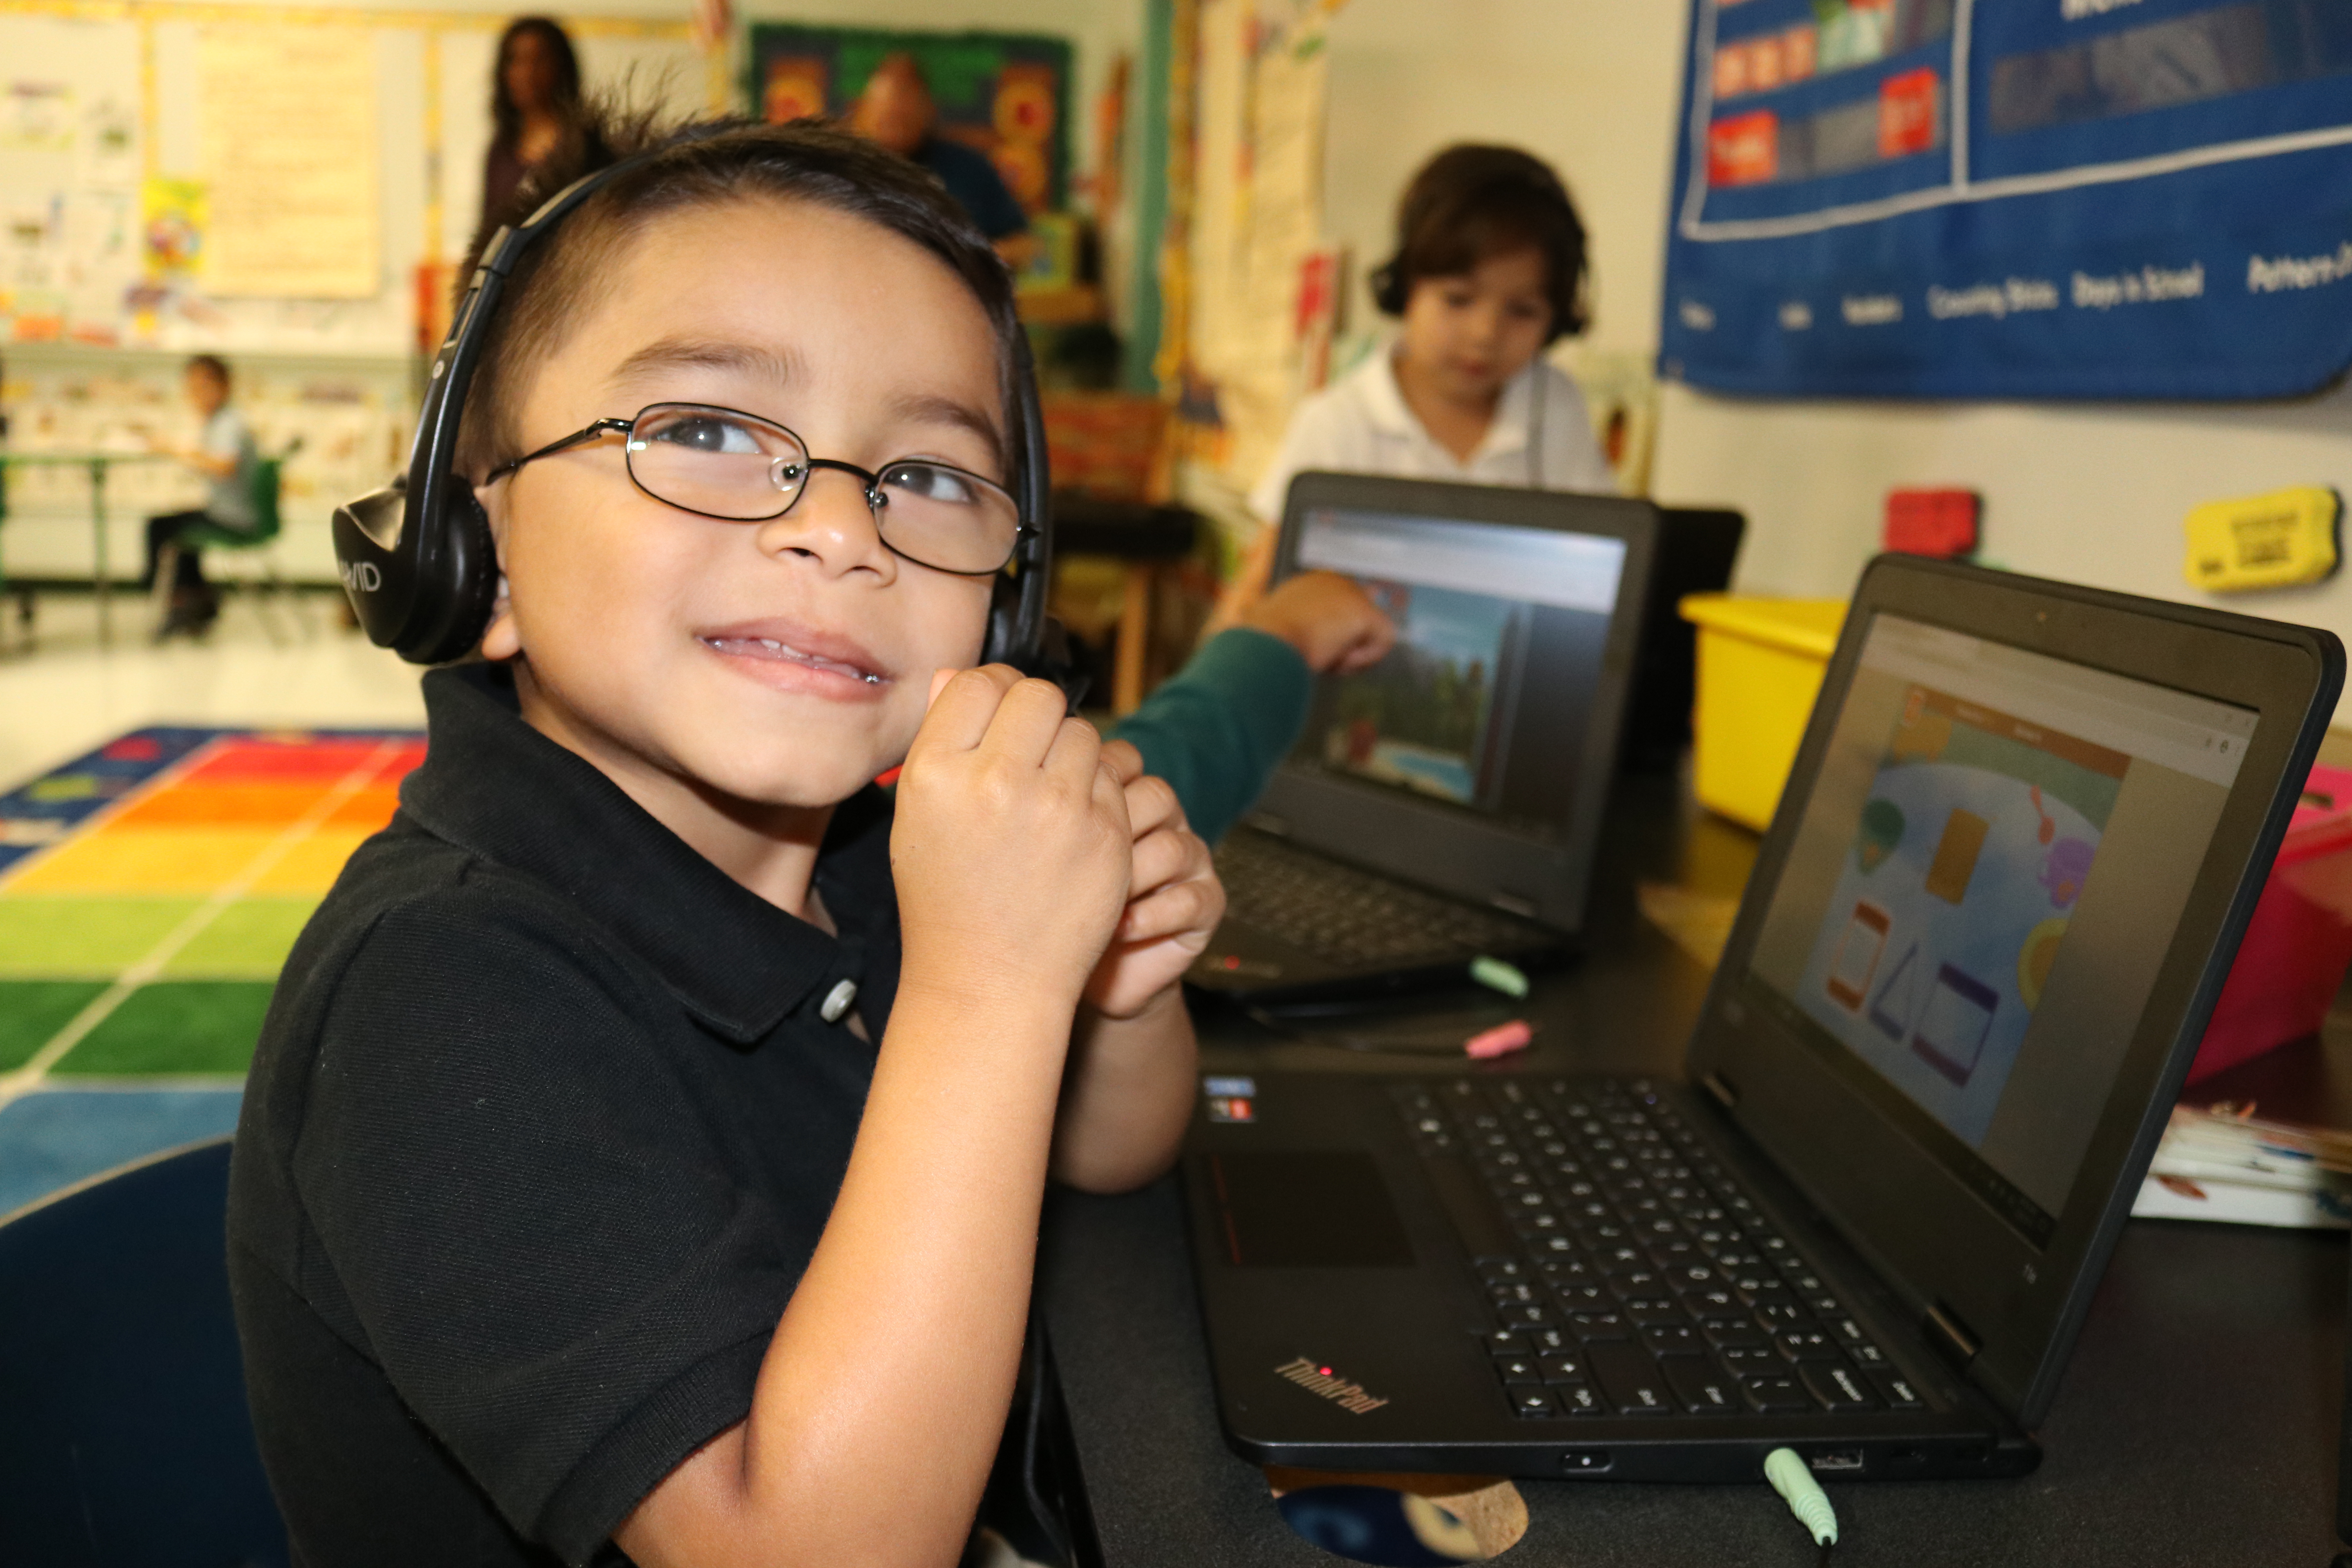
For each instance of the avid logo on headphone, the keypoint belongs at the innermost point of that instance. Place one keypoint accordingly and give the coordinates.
(360, 576)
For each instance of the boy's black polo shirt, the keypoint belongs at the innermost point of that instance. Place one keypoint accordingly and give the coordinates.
(542, 1129)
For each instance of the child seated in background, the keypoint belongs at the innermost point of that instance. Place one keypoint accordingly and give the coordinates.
(645, 1145)
(224, 455)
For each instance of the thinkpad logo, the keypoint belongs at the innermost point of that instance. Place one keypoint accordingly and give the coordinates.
(1322, 1383)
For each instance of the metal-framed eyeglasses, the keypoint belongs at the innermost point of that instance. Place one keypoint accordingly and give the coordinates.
(739, 467)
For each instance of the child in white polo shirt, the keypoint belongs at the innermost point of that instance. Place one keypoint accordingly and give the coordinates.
(1489, 269)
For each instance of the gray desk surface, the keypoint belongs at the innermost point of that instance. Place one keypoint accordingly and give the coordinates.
(2196, 1425)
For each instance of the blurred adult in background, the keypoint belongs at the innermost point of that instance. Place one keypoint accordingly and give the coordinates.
(223, 454)
(897, 110)
(534, 109)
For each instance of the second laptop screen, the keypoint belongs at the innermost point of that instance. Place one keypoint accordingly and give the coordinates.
(1484, 702)
(1984, 885)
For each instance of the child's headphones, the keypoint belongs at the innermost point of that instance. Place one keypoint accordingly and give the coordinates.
(417, 557)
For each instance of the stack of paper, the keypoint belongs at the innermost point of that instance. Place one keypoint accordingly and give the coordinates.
(2222, 1164)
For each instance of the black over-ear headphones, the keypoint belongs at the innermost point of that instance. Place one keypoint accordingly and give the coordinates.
(1391, 290)
(416, 556)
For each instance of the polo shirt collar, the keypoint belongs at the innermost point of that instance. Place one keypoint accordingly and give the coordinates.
(1385, 407)
(493, 785)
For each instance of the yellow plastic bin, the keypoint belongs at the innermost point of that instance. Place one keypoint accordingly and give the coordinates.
(1760, 663)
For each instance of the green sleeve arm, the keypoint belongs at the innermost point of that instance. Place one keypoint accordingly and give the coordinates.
(1216, 731)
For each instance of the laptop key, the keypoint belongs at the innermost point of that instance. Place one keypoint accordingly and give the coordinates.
(1519, 1369)
(1552, 1341)
(1896, 1391)
(1745, 1359)
(1578, 1399)
(1720, 1332)
(1807, 1345)
(1590, 1326)
(1671, 1339)
(1508, 1341)
(1836, 1386)
(1562, 1368)
(1774, 1394)
(1699, 1385)
(1866, 1355)
(1630, 1379)
(1533, 1404)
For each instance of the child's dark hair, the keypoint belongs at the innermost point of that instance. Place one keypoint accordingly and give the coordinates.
(711, 164)
(1471, 202)
(212, 366)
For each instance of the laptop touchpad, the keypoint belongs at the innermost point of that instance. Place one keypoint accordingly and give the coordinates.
(1307, 1209)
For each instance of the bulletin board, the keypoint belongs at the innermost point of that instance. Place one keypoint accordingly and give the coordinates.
(1005, 94)
(2013, 198)
(256, 178)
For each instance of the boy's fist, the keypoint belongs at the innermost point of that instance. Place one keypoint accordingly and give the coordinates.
(1011, 847)
(1332, 623)
(1174, 899)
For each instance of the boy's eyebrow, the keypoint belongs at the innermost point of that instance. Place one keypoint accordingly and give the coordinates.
(930, 408)
(784, 366)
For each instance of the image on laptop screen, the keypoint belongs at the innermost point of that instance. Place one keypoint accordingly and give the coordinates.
(1450, 714)
(1982, 889)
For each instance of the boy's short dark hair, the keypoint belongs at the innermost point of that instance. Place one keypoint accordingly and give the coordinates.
(212, 366)
(1472, 202)
(708, 164)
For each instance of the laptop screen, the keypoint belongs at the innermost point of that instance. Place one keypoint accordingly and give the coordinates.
(1451, 714)
(1982, 887)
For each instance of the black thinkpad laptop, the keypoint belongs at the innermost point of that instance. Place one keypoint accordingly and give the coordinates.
(2024, 833)
(1443, 806)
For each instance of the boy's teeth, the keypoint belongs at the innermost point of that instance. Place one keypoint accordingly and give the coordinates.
(785, 650)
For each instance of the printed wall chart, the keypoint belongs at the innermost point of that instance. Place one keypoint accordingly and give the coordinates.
(2013, 198)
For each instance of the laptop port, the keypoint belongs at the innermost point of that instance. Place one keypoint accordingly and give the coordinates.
(1585, 1461)
(1834, 1461)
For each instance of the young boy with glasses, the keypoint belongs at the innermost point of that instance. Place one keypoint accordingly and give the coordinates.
(645, 1149)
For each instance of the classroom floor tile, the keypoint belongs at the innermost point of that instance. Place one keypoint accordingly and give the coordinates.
(55, 1137)
(175, 1027)
(314, 863)
(59, 938)
(246, 940)
(146, 860)
(33, 1011)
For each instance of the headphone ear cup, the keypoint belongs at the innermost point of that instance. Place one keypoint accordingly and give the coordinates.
(457, 583)
(1388, 288)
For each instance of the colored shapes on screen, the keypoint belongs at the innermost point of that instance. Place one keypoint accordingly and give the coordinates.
(1953, 1025)
(1956, 855)
(1898, 998)
(2065, 870)
(2039, 951)
(1882, 832)
(1856, 959)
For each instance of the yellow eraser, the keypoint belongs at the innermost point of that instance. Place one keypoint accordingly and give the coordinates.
(2263, 541)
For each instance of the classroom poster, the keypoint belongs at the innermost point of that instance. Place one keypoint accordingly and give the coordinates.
(288, 124)
(1006, 94)
(2013, 198)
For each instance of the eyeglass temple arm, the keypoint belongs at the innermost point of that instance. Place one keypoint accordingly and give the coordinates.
(577, 437)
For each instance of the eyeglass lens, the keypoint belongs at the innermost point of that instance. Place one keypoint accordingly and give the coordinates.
(734, 465)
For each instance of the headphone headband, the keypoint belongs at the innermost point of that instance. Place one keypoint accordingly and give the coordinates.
(417, 557)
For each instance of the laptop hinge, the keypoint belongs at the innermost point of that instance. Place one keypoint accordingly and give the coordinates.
(1950, 1336)
(1714, 1083)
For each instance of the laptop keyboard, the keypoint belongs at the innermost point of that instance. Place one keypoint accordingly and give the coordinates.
(1639, 1280)
(1348, 917)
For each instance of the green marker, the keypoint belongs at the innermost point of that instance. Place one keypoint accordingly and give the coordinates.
(1791, 1479)
(1498, 975)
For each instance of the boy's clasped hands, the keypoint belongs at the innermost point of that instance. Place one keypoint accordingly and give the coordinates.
(1028, 849)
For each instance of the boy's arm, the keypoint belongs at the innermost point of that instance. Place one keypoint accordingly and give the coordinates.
(881, 1399)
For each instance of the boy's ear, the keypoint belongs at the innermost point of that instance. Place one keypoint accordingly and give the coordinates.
(500, 639)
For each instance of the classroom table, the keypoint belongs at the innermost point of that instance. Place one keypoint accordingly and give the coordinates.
(97, 463)
(2196, 1425)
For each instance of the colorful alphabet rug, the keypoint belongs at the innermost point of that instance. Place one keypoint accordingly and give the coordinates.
(149, 893)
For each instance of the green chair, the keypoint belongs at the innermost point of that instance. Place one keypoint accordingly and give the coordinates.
(267, 484)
